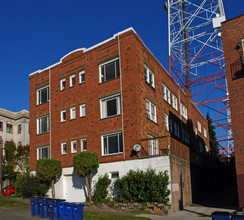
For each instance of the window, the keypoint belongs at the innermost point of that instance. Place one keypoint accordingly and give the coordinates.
(205, 132)
(63, 148)
(109, 70)
(62, 84)
(166, 93)
(199, 126)
(72, 80)
(112, 143)
(19, 129)
(43, 95)
(73, 146)
(176, 129)
(82, 76)
(114, 175)
(174, 102)
(1, 126)
(152, 146)
(183, 110)
(82, 110)
(83, 144)
(19, 143)
(166, 121)
(149, 76)
(63, 115)
(43, 124)
(151, 110)
(9, 128)
(110, 106)
(43, 152)
(195, 132)
(72, 113)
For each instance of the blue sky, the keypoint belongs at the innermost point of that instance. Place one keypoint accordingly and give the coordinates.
(36, 34)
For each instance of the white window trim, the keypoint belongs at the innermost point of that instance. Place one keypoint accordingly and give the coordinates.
(62, 148)
(183, 110)
(199, 126)
(81, 144)
(174, 102)
(62, 119)
(205, 132)
(20, 128)
(71, 116)
(155, 143)
(148, 78)
(100, 72)
(81, 106)
(72, 149)
(37, 96)
(166, 97)
(166, 121)
(150, 111)
(38, 124)
(38, 155)
(70, 80)
(61, 86)
(81, 73)
(103, 108)
(102, 136)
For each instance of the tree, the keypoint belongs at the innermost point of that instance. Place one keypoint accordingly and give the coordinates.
(49, 170)
(85, 165)
(23, 158)
(214, 145)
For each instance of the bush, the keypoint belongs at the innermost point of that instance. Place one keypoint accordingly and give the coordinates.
(137, 186)
(27, 186)
(101, 188)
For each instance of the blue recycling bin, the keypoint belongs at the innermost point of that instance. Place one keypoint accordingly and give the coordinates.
(221, 216)
(34, 206)
(62, 210)
(44, 209)
(53, 208)
(238, 217)
(77, 211)
(69, 211)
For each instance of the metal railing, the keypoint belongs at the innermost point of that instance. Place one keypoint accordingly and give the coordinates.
(237, 67)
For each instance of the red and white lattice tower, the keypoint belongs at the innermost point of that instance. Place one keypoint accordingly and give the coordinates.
(196, 59)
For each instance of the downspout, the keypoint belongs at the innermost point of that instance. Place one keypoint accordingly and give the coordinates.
(121, 98)
(50, 136)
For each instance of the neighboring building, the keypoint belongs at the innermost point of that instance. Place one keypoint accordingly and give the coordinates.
(14, 126)
(106, 99)
(233, 41)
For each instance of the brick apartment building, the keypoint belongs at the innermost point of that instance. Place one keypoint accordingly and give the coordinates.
(106, 99)
(233, 41)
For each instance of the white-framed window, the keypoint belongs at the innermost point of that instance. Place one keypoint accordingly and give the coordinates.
(72, 80)
(9, 128)
(43, 95)
(43, 152)
(199, 126)
(149, 76)
(82, 76)
(183, 110)
(73, 146)
(166, 93)
(19, 128)
(109, 70)
(166, 121)
(64, 148)
(83, 144)
(72, 113)
(62, 84)
(63, 115)
(82, 110)
(174, 102)
(112, 143)
(110, 106)
(114, 175)
(151, 110)
(205, 132)
(43, 124)
(176, 129)
(152, 146)
(195, 132)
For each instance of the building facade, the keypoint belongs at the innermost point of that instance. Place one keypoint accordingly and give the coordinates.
(14, 127)
(233, 41)
(106, 99)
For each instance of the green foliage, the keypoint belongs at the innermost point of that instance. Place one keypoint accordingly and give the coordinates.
(23, 158)
(48, 170)
(85, 163)
(101, 188)
(214, 145)
(137, 186)
(27, 186)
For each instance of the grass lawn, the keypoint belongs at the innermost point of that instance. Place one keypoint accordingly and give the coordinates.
(92, 215)
(7, 202)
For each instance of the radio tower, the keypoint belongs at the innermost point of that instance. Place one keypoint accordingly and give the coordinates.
(196, 59)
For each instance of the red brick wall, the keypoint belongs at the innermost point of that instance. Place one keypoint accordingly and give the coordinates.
(233, 33)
